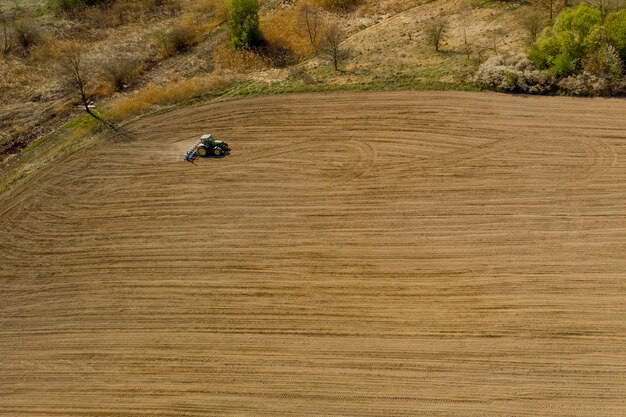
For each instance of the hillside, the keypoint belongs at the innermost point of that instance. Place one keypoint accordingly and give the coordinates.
(386, 48)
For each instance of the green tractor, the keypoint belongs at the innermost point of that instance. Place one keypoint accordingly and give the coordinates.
(207, 147)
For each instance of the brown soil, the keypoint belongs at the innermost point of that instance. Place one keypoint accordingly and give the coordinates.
(444, 254)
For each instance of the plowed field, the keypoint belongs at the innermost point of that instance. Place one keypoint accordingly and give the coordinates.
(358, 254)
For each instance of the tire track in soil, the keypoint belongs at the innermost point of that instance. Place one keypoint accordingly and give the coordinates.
(358, 254)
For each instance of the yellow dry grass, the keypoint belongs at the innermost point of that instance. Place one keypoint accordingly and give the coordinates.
(281, 29)
(227, 60)
(155, 94)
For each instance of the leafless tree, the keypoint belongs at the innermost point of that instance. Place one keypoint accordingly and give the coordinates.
(551, 6)
(77, 81)
(604, 6)
(465, 20)
(435, 31)
(6, 19)
(533, 22)
(309, 23)
(495, 35)
(330, 44)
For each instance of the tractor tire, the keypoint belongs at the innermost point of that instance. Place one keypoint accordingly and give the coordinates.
(203, 151)
(217, 151)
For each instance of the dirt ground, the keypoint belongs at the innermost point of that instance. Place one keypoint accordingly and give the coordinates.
(358, 254)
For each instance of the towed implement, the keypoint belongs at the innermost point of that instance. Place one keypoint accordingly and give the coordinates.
(207, 147)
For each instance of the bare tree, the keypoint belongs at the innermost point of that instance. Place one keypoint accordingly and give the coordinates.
(309, 23)
(533, 22)
(551, 6)
(604, 6)
(465, 20)
(435, 31)
(330, 44)
(495, 35)
(77, 81)
(6, 19)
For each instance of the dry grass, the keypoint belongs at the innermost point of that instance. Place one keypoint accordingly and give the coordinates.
(50, 49)
(153, 95)
(180, 37)
(227, 60)
(280, 29)
(215, 9)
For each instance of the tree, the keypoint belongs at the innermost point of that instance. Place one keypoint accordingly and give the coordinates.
(435, 31)
(76, 80)
(581, 39)
(549, 6)
(330, 44)
(6, 19)
(533, 22)
(243, 20)
(465, 19)
(309, 23)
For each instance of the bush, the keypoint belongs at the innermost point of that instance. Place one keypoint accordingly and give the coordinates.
(435, 31)
(120, 72)
(27, 33)
(68, 6)
(182, 37)
(533, 22)
(228, 60)
(243, 20)
(585, 84)
(171, 93)
(281, 30)
(513, 74)
(579, 37)
(178, 39)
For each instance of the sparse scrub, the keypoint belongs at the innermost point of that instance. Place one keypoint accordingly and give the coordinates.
(435, 32)
(6, 21)
(228, 60)
(70, 6)
(27, 33)
(152, 95)
(120, 72)
(210, 8)
(533, 22)
(179, 38)
(50, 49)
(339, 4)
(243, 20)
(330, 44)
(280, 32)
(465, 20)
(551, 7)
(309, 22)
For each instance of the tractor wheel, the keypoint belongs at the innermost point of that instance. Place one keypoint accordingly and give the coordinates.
(203, 151)
(217, 151)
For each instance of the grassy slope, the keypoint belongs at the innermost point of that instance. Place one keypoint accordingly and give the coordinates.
(387, 49)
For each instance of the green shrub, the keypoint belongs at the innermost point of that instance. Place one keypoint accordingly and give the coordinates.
(243, 20)
(615, 24)
(580, 40)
